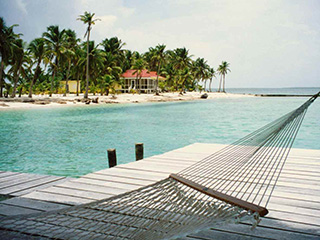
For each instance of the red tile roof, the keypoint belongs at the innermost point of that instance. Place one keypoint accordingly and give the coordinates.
(144, 74)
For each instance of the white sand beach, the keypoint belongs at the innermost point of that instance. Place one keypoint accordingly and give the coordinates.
(57, 100)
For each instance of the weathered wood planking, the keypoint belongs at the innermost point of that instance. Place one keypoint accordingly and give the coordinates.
(15, 184)
(294, 206)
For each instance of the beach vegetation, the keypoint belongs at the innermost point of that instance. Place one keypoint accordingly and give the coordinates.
(58, 55)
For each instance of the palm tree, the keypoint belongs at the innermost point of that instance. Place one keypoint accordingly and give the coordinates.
(17, 61)
(114, 46)
(139, 65)
(96, 61)
(54, 39)
(184, 76)
(87, 18)
(200, 69)
(37, 50)
(68, 51)
(180, 58)
(223, 70)
(106, 82)
(158, 56)
(7, 37)
(170, 72)
(212, 74)
(77, 69)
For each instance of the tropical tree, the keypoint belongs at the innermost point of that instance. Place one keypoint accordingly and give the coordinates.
(87, 18)
(68, 53)
(106, 83)
(7, 39)
(158, 56)
(114, 47)
(78, 70)
(212, 74)
(96, 62)
(184, 76)
(139, 65)
(171, 76)
(223, 70)
(180, 58)
(200, 70)
(54, 39)
(17, 61)
(37, 51)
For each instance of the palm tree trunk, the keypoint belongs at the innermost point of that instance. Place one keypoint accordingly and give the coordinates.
(87, 70)
(15, 82)
(157, 80)
(77, 83)
(219, 90)
(20, 92)
(67, 79)
(136, 82)
(1, 82)
(52, 78)
(210, 85)
(34, 79)
(205, 84)
(224, 82)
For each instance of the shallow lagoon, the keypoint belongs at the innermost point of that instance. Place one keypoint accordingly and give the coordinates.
(72, 141)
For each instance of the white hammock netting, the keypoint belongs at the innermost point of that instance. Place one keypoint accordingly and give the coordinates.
(233, 184)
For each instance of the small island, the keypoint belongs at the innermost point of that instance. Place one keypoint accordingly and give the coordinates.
(58, 68)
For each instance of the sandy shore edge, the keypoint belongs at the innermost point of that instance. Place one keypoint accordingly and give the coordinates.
(72, 100)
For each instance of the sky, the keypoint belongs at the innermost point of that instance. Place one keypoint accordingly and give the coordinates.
(268, 43)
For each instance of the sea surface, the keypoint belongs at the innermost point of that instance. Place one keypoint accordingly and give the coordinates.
(73, 141)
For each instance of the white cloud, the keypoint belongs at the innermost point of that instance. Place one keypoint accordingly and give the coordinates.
(102, 28)
(126, 12)
(22, 6)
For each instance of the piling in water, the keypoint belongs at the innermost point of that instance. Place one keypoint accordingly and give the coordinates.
(112, 157)
(139, 151)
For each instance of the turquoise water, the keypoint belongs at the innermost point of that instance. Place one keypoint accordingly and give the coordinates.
(297, 91)
(73, 141)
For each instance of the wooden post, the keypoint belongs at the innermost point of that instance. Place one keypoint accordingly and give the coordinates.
(112, 157)
(139, 151)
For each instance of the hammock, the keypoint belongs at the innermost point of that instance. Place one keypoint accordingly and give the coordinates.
(233, 184)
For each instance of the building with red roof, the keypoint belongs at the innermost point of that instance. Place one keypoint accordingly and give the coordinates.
(145, 82)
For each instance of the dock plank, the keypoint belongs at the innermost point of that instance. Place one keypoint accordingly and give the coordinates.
(31, 184)
(56, 198)
(33, 204)
(7, 210)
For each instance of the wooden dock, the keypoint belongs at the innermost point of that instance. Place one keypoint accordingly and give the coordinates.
(294, 209)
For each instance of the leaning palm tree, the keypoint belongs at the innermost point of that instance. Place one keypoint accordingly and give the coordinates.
(37, 51)
(223, 70)
(54, 39)
(87, 18)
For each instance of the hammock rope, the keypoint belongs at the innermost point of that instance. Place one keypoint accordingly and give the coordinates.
(233, 184)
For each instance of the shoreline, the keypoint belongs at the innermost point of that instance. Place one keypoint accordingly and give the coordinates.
(57, 100)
